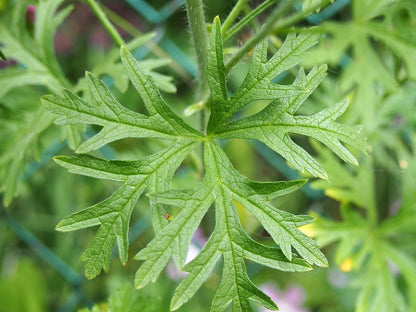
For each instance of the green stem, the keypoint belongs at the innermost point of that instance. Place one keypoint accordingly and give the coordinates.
(272, 25)
(260, 35)
(254, 23)
(105, 21)
(199, 34)
(247, 19)
(152, 46)
(233, 15)
(197, 25)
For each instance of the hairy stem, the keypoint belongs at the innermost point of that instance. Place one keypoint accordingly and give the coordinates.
(199, 34)
(233, 15)
(248, 18)
(105, 21)
(197, 25)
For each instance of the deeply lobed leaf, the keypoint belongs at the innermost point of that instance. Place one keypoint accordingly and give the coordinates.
(274, 123)
(153, 172)
(113, 214)
(221, 185)
(257, 85)
(117, 121)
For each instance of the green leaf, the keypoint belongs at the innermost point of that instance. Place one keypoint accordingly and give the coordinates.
(407, 267)
(19, 147)
(377, 32)
(36, 53)
(151, 96)
(399, 45)
(355, 185)
(378, 286)
(126, 300)
(153, 172)
(274, 123)
(375, 249)
(47, 21)
(16, 77)
(257, 84)
(113, 214)
(373, 257)
(222, 184)
(117, 121)
(37, 66)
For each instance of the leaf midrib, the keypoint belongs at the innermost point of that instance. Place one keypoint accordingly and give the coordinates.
(162, 251)
(106, 122)
(242, 198)
(281, 125)
(117, 218)
(252, 202)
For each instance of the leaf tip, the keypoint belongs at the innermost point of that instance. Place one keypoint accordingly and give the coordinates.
(83, 149)
(324, 263)
(58, 227)
(354, 161)
(59, 159)
(47, 100)
(90, 275)
(139, 285)
(176, 302)
(173, 306)
(323, 175)
(89, 76)
(123, 49)
(61, 227)
(44, 97)
(124, 52)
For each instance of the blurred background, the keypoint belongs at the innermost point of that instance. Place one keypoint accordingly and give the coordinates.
(365, 216)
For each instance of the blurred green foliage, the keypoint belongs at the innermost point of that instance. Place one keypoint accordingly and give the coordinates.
(365, 221)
